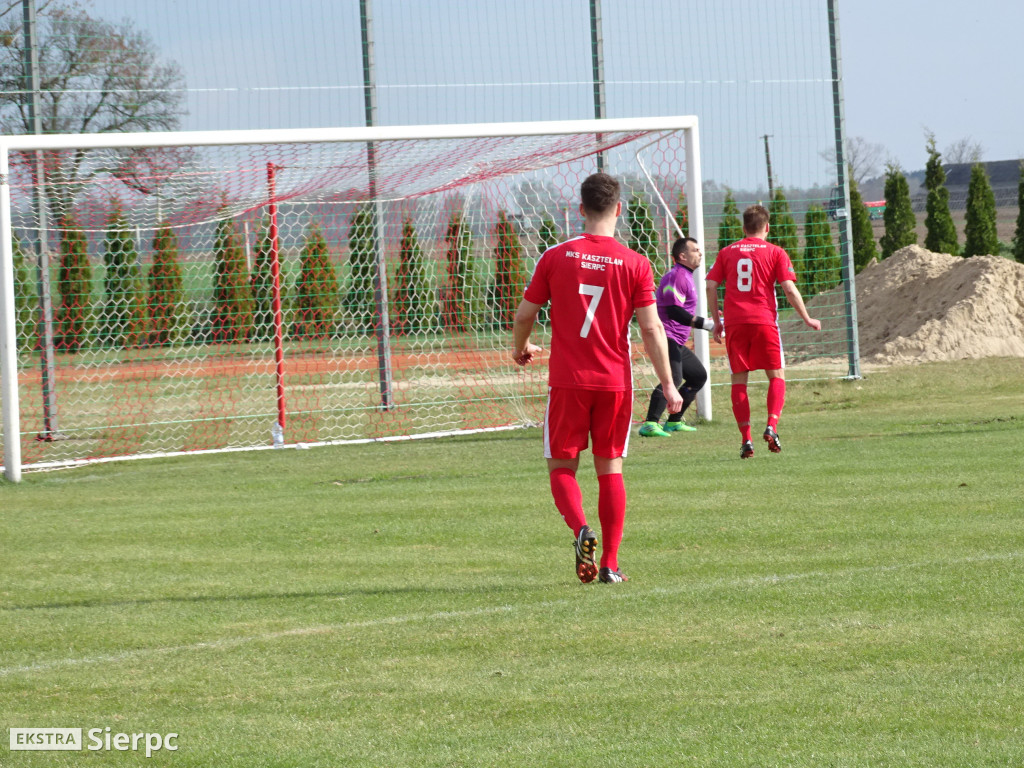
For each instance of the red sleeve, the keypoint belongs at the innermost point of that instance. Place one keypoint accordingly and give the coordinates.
(784, 267)
(715, 273)
(644, 294)
(539, 290)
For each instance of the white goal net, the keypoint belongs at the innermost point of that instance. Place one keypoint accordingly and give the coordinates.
(170, 293)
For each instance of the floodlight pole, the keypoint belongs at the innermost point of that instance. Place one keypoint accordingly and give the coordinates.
(30, 64)
(380, 275)
(843, 183)
(597, 66)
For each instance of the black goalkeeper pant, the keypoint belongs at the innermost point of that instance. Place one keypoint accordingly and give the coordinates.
(688, 374)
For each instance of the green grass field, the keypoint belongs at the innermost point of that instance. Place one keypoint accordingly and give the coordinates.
(857, 600)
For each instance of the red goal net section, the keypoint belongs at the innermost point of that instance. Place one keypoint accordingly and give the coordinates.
(168, 293)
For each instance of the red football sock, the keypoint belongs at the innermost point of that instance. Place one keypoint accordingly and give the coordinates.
(741, 409)
(568, 498)
(776, 399)
(611, 507)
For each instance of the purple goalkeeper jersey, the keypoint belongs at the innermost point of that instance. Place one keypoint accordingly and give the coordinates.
(676, 289)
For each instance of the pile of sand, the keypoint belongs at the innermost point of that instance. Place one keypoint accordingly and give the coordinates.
(918, 306)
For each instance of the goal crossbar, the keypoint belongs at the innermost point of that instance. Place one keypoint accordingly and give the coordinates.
(343, 135)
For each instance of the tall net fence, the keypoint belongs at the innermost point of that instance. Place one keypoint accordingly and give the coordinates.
(768, 127)
(203, 297)
(758, 74)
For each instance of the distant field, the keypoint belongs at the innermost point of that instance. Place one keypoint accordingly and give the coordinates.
(854, 601)
(1006, 224)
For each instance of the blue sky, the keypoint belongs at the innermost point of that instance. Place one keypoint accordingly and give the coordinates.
(950, 67)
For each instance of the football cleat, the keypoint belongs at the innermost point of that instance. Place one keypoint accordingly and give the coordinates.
(678, 426)
(586, 546)
(608, 576)
(772, 438)
(746, 450)
(652, 429)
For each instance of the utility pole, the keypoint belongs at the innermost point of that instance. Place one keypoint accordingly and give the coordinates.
(768, 161)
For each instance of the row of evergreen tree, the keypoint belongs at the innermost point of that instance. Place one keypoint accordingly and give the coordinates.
(817, 264)
(137, 311)
(980, 233)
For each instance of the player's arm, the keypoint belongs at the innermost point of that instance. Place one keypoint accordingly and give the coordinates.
(681, 316)
(522, 326)
(653, 333)
(797, 302)
(711, 293)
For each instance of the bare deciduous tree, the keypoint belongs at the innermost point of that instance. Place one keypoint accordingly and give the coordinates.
(965, 150)
(863, 158)
(95, 77)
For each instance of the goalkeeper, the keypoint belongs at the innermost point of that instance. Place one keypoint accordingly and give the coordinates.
(677, 301)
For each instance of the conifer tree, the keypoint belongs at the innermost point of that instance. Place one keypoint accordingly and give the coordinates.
(459, 295)
(730, 228)
(362, 267)
(261, 282)
(24, 299)
(980, 236)
(414, 307)
(643, 236)
(900, 222)
(74, 284)
(940, 234)
(862, 234)
(1018, 239)
(683, 214)
(123, 320)
(782, 231)
(547, 236)
(821, 260)
(166, 295)
(232, 296)
(509, 273)
(316, 291)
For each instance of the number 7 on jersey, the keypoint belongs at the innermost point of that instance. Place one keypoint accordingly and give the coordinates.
(595, 292)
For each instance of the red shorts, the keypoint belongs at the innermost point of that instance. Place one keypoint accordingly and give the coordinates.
(574, 414)
(753, 347)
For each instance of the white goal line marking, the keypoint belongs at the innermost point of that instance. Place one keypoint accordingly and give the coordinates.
(324, 629)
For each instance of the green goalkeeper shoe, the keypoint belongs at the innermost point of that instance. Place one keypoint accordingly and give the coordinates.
(678, 426)
(652, 429)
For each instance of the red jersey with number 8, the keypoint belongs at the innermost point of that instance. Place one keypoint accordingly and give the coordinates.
(749, 270)
(594, 284)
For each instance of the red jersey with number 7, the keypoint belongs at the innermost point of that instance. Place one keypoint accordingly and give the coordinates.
(594, 284)
(749, 270)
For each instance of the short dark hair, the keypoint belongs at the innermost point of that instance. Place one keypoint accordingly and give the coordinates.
(599, 193)
(755, 218)
(680, 245)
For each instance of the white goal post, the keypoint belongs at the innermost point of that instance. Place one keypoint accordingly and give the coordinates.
(367, 215)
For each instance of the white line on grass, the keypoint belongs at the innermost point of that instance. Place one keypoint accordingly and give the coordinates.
(323, 629)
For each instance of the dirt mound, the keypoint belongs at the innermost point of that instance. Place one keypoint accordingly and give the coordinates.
(918, 306)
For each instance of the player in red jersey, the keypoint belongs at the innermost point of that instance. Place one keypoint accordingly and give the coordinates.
(595, 285)
(749, 269)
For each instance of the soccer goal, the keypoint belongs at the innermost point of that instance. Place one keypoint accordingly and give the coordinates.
(166, 293)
